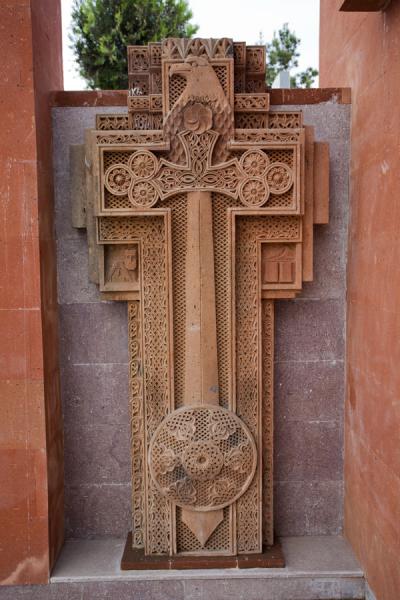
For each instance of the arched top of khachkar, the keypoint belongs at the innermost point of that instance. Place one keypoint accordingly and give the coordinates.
(200, 205)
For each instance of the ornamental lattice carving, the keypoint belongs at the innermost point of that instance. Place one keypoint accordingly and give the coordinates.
(137, 422)
(202, 457)
(199, 208)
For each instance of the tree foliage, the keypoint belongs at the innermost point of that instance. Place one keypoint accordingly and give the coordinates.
(282, 55)
(305, 79)
(102, 29)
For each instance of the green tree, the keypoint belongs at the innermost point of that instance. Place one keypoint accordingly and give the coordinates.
(282, 55)
(305, 79)
(102, 29)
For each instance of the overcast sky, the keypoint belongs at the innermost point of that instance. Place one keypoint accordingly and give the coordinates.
(242, 20)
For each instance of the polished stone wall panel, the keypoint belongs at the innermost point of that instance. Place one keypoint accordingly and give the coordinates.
(94, 367)
(310, 359)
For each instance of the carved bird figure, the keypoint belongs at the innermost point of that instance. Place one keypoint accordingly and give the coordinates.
(202, 87)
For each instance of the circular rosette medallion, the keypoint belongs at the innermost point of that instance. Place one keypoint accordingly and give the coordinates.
(202, 457)
(143, 194)
(117, 179)
(143, 164)
(254, 163)
(254, 191)
(280, 178)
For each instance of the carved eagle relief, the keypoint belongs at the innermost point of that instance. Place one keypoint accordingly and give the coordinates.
(211, 108)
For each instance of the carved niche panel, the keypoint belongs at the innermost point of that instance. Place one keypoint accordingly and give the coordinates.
(281, 266)
(199, 209)
(121, 268)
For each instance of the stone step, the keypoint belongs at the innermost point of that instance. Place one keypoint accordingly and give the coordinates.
(318, 568)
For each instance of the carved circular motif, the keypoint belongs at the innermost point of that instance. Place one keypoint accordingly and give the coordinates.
(197, 117)
(202, 460)
(202, 457)
(280, 178)
(254, 163)
(143, 164)
(143, 194)
(254, 191)
(117, 179)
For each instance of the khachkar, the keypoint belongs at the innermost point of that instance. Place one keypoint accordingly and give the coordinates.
(200, 207)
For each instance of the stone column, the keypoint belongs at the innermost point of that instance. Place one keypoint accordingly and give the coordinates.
(31, 473)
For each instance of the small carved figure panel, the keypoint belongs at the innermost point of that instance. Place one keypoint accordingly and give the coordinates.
(280, 266)
(121, 267)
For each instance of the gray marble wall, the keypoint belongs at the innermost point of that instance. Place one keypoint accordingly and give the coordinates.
(310, 352)
(309, 373)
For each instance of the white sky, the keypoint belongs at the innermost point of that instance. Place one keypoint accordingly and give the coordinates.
(242, 20)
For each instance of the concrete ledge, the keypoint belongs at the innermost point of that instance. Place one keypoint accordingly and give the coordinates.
(308, 556)
(277, 96)
(318, 568)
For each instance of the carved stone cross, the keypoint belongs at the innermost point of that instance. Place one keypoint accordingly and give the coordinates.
(221, 225)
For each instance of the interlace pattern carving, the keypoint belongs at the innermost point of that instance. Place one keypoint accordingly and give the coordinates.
(248, 393)
(137, 423)
(267, 309)
(155, 54)
(141, 121)
(255, 59)
(247, 356)
(251, 120)
(239, 53)
(265, 136)
(156, 367)
(251, 102)
(254, 86)
(138, 103)
(137, 138)
(285, 120)
(138, 60)
(145, 112)
(111, 122)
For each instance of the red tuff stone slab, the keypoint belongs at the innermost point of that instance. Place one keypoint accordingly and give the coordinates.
(31, 513)
(119, 97)
(362, 49)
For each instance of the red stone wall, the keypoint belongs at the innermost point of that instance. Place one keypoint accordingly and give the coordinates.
(362, 50)
(31, 505)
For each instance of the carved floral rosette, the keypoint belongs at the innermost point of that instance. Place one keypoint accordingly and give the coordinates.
(202, 457)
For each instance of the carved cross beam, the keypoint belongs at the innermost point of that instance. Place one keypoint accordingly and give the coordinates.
(145, 179)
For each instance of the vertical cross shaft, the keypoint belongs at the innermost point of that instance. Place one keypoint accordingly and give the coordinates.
(201, 374)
